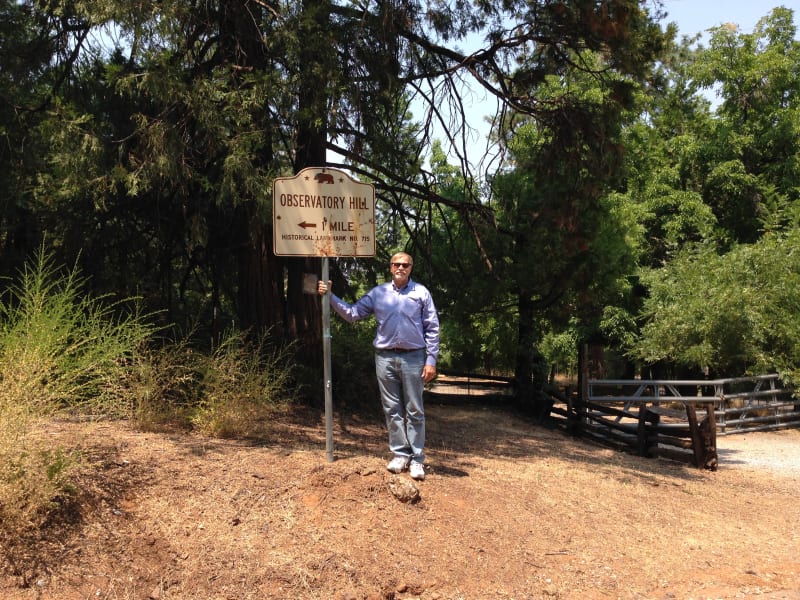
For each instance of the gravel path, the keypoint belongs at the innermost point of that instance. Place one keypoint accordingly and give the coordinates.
(777, 451)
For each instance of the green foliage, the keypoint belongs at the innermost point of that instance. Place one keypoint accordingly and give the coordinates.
(482, 342)
(353, 381)
(737, 313)
(715, 199)
(751, 152)
(153, 159)
(150, 166)
(565, 246)
(560, 350)
(476, 314)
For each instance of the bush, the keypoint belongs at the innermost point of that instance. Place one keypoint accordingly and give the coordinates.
(60, 352)
(164, 386)
(560, 351)
(354, 384)
(63, 353)
(737, 313)
(240, 384)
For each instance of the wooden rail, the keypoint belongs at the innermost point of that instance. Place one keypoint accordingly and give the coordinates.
(678, 419)
(636, 414)
(661, 416)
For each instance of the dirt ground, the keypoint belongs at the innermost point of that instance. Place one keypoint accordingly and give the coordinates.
(509, 510)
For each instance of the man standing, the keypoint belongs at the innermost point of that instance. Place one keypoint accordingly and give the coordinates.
(406, 348)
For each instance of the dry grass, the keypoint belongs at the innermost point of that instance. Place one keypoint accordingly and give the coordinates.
(508, 510)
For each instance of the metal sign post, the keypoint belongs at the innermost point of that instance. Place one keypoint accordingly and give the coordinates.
(326, 353)
(323, 212)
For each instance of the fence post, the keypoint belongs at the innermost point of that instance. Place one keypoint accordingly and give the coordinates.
(644, 446)
(708, 430)
(694, 433)
(704, 437)
(576, 415)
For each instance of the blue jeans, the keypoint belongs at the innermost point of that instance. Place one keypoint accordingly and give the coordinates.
(401, 384)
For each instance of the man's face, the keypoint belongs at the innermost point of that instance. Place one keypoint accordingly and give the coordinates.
(400, 266)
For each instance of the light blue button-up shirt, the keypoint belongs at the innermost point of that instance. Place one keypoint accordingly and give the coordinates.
(407, 318)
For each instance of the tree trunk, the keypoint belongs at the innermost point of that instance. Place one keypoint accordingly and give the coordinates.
(261, 296)
(269, 297)
(530, 374)
(304, 317)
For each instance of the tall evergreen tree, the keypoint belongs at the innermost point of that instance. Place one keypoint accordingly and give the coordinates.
(202, 105)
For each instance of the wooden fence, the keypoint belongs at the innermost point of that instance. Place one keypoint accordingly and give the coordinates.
(680, 418)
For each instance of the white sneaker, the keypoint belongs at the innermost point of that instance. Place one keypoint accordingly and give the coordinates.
(417, 470)
(398, 464)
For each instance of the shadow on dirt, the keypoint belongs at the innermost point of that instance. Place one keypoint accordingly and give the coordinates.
(456, 433)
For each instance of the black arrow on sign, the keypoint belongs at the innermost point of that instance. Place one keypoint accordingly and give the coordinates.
(305, 225)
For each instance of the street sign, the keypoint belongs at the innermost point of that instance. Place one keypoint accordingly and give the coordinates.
(323, 212)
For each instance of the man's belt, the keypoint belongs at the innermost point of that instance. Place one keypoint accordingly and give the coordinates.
(400, 349)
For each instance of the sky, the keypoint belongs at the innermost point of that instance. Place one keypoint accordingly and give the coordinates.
(694, 16)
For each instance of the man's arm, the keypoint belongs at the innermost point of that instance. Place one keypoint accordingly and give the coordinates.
(430, 331)
(349, 312)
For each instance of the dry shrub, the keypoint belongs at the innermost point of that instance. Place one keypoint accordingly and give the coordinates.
(164, 385)
(64, 353)
(228, 392)
(34, 478)
(61, 352)
(35, 482)
(241, 385)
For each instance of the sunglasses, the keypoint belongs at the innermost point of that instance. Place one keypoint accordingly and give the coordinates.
(404, 265)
